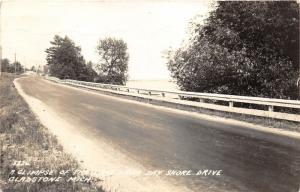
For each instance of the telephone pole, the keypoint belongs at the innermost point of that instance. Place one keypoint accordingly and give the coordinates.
(15, 63)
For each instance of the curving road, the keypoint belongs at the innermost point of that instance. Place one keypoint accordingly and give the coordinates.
(164, 139)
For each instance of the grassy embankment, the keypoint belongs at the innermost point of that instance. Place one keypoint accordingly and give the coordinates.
(23, 138)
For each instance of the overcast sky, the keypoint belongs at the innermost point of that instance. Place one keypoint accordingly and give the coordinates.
(148, 26)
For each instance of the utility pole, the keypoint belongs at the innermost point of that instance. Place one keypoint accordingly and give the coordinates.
(15, 63)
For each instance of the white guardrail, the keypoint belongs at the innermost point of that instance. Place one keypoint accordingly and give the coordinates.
(178, 97)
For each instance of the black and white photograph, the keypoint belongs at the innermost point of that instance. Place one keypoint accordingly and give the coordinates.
(149, 96)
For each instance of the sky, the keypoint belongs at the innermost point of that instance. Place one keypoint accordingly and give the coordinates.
(149, 27)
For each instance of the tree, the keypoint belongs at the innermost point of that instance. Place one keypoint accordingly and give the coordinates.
(17, 67)
(92, 74)
(45, 70)
(113, 65)
(244, 48)
(33, 68)
(65, 60)
(5, 66)
(87, 73)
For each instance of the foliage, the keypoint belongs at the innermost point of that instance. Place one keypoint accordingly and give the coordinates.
(14, 67)
(65, 60)
(18, 67)
(91, 73)
(33, 68)
(114, 61)
(5, 65)
(243, 48)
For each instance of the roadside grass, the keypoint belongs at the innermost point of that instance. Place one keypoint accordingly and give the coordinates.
(23, 138)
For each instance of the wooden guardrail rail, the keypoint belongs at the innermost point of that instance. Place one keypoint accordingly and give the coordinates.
(183, 98)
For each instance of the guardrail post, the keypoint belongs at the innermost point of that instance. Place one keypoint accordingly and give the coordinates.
(271, 108)
(270, 105)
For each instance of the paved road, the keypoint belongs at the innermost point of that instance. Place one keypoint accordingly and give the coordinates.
(162, 139)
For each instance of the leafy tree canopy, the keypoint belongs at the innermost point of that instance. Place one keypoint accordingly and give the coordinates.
(243, 48)
(14, 67)
(114, 58)
(65, 60)
(5, 65)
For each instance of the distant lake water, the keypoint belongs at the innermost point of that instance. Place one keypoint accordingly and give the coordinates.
(165, 85)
